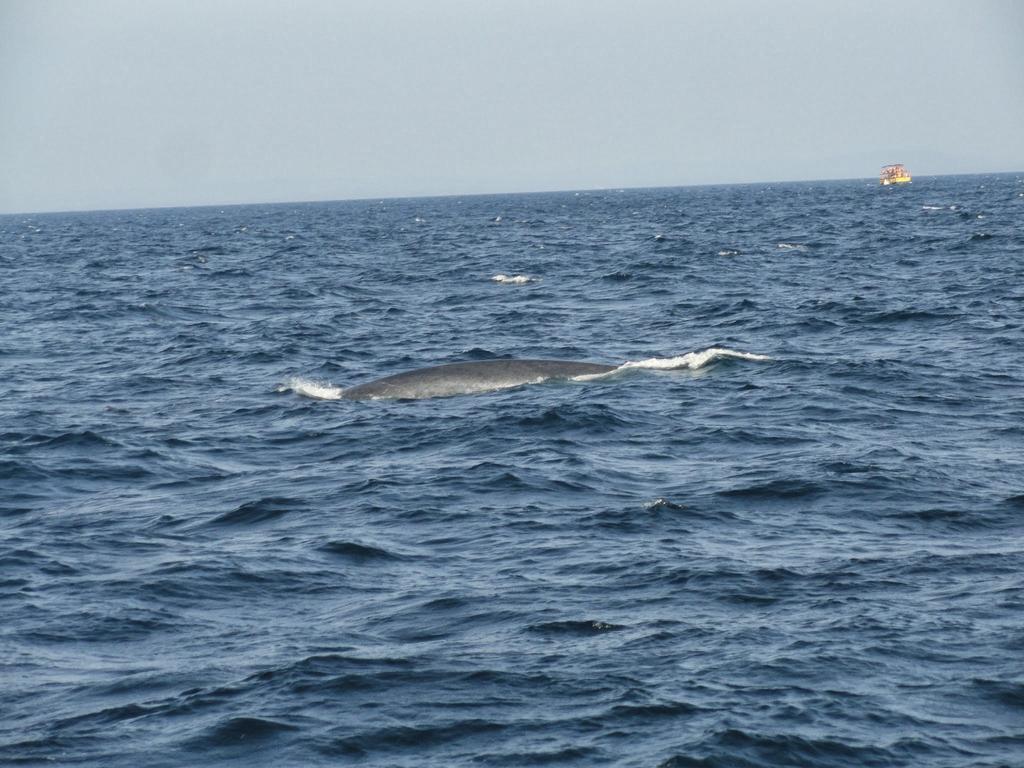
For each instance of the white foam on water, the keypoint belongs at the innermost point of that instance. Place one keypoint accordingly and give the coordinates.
(315, 390)
(728, 252)
(514, 279)
(661, 503)
(792, 247)
(691, 361)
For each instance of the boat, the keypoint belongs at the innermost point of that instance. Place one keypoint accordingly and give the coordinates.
(894, 174)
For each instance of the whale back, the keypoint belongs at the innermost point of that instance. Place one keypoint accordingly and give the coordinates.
(466, 378)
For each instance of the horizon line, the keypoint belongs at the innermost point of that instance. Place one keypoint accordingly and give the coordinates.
(441, 196)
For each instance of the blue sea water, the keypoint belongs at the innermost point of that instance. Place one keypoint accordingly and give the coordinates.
(815, 559)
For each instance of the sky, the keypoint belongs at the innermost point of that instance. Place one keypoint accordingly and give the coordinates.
(146, 103)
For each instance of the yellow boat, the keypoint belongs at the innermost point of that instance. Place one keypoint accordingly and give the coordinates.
(894, 174)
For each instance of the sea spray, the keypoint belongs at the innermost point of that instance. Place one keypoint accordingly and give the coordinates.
(514, 279)
(315, 390)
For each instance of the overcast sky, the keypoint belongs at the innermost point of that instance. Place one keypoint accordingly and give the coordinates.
(136, 103)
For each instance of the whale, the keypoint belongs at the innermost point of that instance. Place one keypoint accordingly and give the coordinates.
(502, 373)
(470, 377)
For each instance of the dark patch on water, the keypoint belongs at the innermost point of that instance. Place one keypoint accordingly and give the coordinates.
(780, 489)
(662, 504)
(259, 511)
(239, 732)
(356, 552)
(580, 627)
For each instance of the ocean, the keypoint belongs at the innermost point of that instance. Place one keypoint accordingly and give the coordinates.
(789, 533)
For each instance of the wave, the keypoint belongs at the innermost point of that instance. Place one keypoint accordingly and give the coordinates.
(259, 511)
(575, 627)
(779, 489)
(515, 279)
(691, 360)
(238, 731)
(357, 552)
(661, 503)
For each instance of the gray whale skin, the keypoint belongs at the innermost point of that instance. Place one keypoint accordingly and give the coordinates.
(466, 378)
